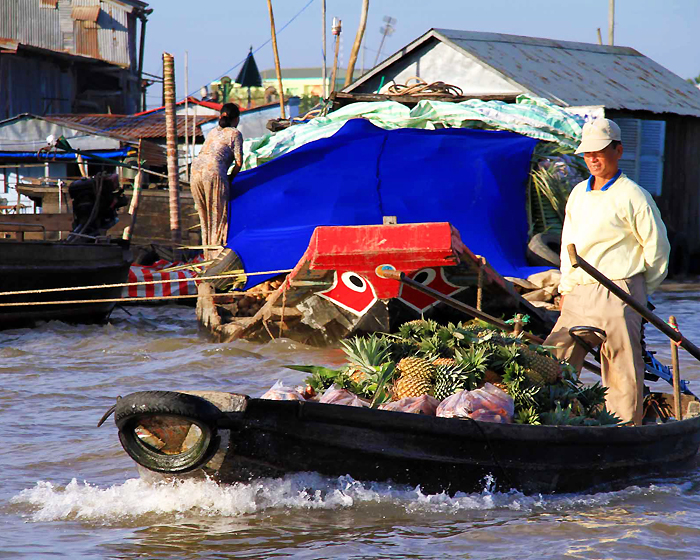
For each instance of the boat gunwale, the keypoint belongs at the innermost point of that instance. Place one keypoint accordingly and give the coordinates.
(361, 417)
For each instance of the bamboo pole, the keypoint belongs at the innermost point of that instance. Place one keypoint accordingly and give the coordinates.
(187, 117)
(324, 69)
(337, 28)
(678, 409)
(171, 136)
(358, 42)
(277, 59)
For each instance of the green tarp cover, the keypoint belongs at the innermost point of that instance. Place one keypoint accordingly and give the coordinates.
(529, 116)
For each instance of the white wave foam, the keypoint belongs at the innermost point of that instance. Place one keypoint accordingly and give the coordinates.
(307, 491)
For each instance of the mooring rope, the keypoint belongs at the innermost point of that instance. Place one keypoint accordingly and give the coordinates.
(121, 300)
(144, 283)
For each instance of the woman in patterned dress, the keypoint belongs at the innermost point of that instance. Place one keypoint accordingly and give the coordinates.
(210, 179)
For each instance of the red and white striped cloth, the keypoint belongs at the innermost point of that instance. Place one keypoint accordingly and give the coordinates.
(139, 273)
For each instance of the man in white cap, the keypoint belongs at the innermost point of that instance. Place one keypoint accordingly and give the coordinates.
(616, 227)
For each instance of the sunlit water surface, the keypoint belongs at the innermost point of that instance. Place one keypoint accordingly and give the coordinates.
(68, 490)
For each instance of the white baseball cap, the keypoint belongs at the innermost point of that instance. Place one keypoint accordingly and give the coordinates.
(597, 134)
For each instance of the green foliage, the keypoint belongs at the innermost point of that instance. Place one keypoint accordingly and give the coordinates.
(321, 377)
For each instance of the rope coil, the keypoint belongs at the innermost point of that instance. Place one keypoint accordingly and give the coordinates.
(424, 89)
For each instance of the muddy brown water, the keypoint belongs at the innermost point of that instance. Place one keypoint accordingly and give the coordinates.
(68, 490)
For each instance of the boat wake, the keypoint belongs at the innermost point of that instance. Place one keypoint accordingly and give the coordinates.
(135, 499)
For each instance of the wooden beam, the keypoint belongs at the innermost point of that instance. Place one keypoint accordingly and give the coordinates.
(51, 222)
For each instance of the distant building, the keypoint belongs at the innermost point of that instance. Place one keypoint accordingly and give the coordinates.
(298, 82)
(70, 56)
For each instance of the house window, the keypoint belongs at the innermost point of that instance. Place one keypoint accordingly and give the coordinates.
(643, 154)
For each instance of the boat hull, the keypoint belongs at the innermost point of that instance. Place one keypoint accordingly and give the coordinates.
(263, 438)
(40, 265)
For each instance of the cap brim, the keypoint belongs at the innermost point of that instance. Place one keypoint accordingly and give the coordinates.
(592, 145)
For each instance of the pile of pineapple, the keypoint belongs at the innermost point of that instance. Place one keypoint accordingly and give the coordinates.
(424, 358)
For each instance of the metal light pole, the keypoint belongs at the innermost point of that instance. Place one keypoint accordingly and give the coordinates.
(386, 31)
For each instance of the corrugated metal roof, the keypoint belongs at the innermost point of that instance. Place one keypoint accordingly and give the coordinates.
(567, 73)
(579, 74)
(132, 127)
(30, 132)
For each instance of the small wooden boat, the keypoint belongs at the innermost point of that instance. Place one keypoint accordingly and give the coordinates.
(335, 290)
(46, 265)
(54, 270)
(231, 437)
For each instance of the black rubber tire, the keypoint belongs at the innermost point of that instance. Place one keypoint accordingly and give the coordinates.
(131, 409)
(540, 250)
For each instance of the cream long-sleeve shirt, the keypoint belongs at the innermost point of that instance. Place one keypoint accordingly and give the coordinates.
(617, 230)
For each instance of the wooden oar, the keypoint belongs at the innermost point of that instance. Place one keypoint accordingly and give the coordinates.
(468, 309)
(640, 308)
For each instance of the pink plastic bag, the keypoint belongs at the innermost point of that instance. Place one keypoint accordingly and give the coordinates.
(279, 392)
(425, 404)
(336, 395)
(488, 404)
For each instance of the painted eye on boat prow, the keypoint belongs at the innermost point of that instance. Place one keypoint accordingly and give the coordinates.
(354, 281)
(425, 276)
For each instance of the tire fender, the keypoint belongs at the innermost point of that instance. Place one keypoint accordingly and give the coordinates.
(539, 251)
(134, 408)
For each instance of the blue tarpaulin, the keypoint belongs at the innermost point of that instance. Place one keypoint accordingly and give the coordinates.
(474, 179)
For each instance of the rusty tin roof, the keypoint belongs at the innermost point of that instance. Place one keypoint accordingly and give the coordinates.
(133, 127)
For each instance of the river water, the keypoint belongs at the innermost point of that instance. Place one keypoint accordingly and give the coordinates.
(68, 490)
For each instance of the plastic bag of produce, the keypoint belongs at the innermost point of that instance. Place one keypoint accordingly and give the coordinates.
(425, 404)
(279, 392)
(336, 395)
(487, 404)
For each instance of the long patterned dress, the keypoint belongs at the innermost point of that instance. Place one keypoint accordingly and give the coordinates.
(209, 183)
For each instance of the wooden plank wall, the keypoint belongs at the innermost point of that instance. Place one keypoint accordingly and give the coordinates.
(679, 201)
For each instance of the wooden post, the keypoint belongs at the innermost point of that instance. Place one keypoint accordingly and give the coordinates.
(480, 283)
(358, 41)
(187, 116)
(135, 195)
(171, 137)
(676, 373)
(518, 324)
(277, 59)
(81, 165)
(337, 28)
(194, 131)
(600, 37)
(611, 22)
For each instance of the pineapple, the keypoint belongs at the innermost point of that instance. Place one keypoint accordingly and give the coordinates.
(453, 378)
(443, 362)
(540, 369)
(416, 378)
(412, 386)
(416, 367)
(365, 355)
